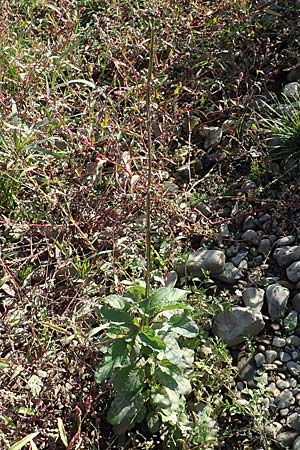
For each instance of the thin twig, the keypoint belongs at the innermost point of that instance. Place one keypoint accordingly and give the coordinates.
(149, 175)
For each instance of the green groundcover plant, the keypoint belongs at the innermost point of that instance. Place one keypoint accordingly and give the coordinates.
(149, 356)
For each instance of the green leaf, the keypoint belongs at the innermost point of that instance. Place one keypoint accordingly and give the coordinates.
(105, 370)
(26, 440)
(118, 357)
(115, 301)
(62, 432)
(136, 293)
(162, 299)
(172, 379)
(116, 315)
(149, 339)
(165, 399)
(126, 412)
(129, 380)
(182, 358)
(184, 326)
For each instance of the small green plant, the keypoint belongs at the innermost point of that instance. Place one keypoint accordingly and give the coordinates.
(149, 360)
(282, 124)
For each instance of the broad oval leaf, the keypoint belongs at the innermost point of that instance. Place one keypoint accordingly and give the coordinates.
(116, 315)
(162, 299)
(148, 338)
(184, 326)
(129, 380)
(125, 412)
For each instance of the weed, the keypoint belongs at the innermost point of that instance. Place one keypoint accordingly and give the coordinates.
(148, 364)
(281, 122)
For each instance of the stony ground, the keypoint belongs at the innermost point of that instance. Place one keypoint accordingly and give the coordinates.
(225, 216)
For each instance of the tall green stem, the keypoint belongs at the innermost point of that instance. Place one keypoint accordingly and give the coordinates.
(149, 174)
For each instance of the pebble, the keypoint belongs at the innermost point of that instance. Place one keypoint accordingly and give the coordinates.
(294, 368)
(294, 340)
(284, 356)
(270, 355)
(254, 297)
(236, 260)
(277, 298)
(293, 272)
(264, 218)
(282, 384)
(296, 302)
(284, 412)
(279, 341)
(285, 399)
(293, 421)
(286, 438)
(269, 366)
(259, 359)
(296, 444)
(250, 236)
(224, 230)
(284, 241)
(264, 247)
(294, 356)
(273, 389)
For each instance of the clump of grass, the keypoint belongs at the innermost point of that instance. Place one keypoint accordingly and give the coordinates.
(282, 125)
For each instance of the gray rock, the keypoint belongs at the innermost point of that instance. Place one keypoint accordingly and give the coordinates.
(203, 260)
(293, 368)
(270, 355)
(296, 302)
(285, 357)
(250, 236)
(212, 136)
(277, 297)
(284, 241)
(294, 340)
(233, 249)
(296, 443)
(293, 421)
(259, 359)
(284, 412)
(286, 438)
(249, 223)
(291, 320)
(236, 260)
(284, 256)
(224, 230)
(278, 341)
(285, 399)
(230, 274)
(233, 326)
(254, 298)
(295, 356)
(247, 368)
(293, 272)
(292, 90)
(264, 247)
